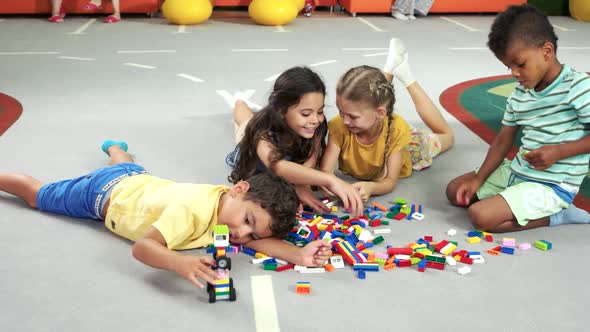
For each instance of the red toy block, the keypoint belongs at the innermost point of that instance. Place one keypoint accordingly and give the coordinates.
(428, 238)
(375, 223)
(489, 238)
(399, 251)
(285, 267)
(400, 216)
(466, 260)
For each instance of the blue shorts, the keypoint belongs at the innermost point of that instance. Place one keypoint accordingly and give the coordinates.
(84, 197)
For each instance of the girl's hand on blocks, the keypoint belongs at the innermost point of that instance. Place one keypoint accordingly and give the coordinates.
(316, 253)
(364, 188)
(467, 190)
(350, 197)
(193, 267)
(543, 157)
(307, 197)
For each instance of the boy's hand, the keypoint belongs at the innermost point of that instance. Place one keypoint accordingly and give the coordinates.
(316, 253)
(364, 189)
(307, 197)
(543, 157)
(193, 267)
(467, 190)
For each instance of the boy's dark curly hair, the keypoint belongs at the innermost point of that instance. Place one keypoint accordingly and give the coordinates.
(525, 23)
(269, 124)
(278, 198)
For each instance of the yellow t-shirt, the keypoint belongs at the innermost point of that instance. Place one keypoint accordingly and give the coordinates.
(184, 213)
(365, 162)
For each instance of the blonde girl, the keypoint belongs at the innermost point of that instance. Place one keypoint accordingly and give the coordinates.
(371, 143)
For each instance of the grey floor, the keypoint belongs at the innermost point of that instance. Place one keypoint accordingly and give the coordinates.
(60, 274)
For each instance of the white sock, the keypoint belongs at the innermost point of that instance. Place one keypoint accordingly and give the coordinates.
(411, 17)
(397, 62)
(399, 15)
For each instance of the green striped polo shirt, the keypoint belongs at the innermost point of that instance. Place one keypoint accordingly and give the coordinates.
(558, 114)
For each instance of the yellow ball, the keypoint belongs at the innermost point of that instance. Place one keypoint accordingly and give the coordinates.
(299, 4)
(580, 9)
(272, 12)
(187, 12)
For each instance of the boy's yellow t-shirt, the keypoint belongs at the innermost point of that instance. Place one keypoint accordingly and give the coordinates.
(184, 213)
(365, 162)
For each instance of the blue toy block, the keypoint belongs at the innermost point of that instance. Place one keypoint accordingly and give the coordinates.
(369, 245)
(337, 234)
(249, 251)
(422, 241)
(361, 274)
(377, 216)
(370, 267)
(422, 264)
(507, 250)
(549, 244)
(419, 208)
(472, 234)
(471, 253)
(329, 216)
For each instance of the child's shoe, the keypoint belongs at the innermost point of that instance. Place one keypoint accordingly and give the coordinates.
(108, 143)
(399, 15)
(232, 158)
(56, 19)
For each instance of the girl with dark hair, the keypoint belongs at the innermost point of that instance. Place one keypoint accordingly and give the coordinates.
(287, 137)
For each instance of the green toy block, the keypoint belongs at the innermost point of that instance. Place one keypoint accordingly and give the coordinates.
(378, 239)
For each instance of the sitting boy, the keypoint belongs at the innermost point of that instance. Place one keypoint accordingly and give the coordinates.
(552, 106)
(161, 215)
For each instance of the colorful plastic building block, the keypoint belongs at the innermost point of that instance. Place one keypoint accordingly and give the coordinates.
(524, 246)
(508, 242)
(543, 245)
(303, 287)
(451, 232)
(464, 270)
(507, 250)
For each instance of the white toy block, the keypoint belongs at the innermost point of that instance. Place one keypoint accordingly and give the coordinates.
(337, 262)
(451, 261)
(382, 231)
(477, 259)
(451, 232)
(417, 216)
(464, 270)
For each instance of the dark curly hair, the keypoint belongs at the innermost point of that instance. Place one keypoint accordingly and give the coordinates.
(525, 23)
(269, 124)
(276, 196)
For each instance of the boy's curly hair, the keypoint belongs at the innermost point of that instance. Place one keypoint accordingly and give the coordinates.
(276, 196)
(525, 23)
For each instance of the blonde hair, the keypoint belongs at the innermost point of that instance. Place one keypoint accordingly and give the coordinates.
(369, 85)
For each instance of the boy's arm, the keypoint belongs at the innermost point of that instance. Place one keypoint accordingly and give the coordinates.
(498, 150)
(545, 156)
(151, 250)
(315, 253)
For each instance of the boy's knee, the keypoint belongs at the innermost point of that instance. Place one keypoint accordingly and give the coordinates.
(479, 218)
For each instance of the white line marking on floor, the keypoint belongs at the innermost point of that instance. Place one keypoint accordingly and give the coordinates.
(375, 54)
(190, 78)
(364, 49)
(146, 51)
(322, 63)
(75, 58)
(459, 24)
(260, 50)
(80, 30)
(131, 64)
(265, 309)
(577, 48)
(241, 95)
(181, 29)
(373, 26)
(281, 28)
(29, 53)
(562, 28)
(271, 78)
(467, 48)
